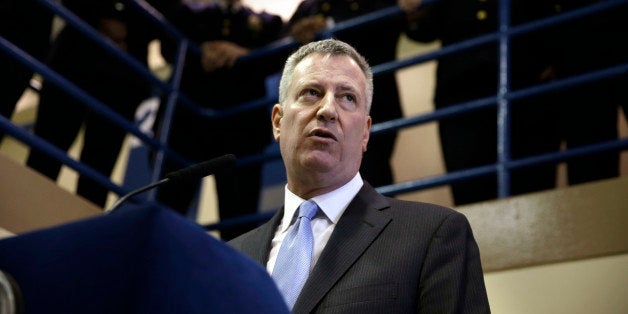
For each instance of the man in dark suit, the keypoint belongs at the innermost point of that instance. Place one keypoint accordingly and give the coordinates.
(370, 253)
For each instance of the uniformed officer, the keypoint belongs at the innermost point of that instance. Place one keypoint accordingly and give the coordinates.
(225, 30)
(470, 140)
(589, 111)
(27, 25)
(103, 76)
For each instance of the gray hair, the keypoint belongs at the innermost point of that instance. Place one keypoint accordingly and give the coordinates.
(327, 47)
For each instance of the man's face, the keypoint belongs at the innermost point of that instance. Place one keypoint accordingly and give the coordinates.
(323, 126)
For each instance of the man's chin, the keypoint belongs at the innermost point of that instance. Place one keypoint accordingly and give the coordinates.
(320, 161)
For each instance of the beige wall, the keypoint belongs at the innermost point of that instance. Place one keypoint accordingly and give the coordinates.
(416, 89)
(597, 285)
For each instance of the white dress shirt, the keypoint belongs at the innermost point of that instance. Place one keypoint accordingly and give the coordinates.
(331, 206)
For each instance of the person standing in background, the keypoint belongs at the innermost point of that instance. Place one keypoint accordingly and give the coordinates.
(378, 43)
(103, 76)
(225, 31)
(27, 25)
(470, 140)
(588, 112)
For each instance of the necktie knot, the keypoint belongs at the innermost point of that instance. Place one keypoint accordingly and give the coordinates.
(308, 209)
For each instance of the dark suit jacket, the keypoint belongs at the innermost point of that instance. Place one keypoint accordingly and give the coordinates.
(388, 256)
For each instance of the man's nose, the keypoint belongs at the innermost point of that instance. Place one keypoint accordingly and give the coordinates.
(327, 109)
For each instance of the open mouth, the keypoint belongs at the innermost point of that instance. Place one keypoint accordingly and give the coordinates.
(323, 133)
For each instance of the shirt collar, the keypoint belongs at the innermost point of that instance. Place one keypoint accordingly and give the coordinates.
(332, 204)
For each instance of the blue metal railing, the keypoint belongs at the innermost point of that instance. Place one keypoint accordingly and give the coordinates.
(501, 100)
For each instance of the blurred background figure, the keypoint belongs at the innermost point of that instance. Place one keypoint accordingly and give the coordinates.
(588, 112)
(103, 76)
(225, 31)
(27, 25)
(470, 140)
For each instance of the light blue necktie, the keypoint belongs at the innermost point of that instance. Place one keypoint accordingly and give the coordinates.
(295, 255)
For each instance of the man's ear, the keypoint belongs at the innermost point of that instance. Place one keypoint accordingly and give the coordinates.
(367, 133)
(276, 116)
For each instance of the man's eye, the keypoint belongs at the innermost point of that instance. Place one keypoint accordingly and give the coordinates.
(349, 98)
(311, 92)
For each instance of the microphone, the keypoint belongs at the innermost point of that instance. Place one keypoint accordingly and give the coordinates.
(191, 173)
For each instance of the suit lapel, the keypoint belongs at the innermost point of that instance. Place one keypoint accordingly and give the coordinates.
(258, 245)
(359, 225)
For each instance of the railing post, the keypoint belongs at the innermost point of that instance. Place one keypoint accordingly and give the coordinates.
(170, 105)
(503, 104)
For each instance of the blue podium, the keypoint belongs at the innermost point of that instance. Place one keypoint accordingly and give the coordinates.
(141, 259)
